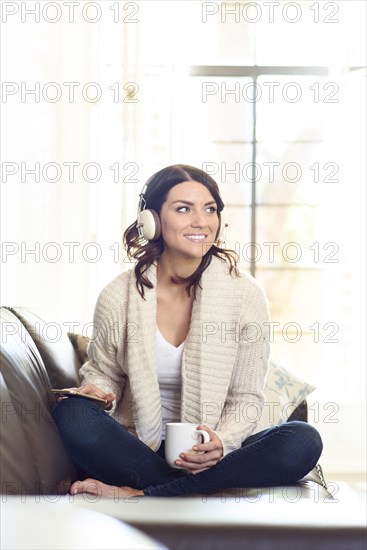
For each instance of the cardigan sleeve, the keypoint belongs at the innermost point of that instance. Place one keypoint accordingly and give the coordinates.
(104, 368)
(245, 398)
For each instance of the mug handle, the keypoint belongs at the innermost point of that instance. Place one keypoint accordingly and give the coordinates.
(204, 434)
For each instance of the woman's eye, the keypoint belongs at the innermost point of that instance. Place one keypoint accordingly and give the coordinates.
(210, 209)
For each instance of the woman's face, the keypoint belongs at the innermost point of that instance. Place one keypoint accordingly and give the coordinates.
(189, 220)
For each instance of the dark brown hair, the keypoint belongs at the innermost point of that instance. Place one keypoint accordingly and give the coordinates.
(146, 252)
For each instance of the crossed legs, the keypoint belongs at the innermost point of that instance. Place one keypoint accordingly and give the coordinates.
(102, 449)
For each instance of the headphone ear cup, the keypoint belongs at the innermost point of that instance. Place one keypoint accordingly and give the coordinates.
(150, 224)
(221, 234)
(219, 231)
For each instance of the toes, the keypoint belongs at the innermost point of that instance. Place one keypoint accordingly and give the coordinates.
(74, 489)
(86, 486)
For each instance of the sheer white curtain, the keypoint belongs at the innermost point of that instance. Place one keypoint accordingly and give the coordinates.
(60, 213)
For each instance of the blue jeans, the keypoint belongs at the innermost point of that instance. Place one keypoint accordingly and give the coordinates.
(103, 449)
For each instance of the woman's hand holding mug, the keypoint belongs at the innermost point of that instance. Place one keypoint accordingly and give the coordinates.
(195, 458)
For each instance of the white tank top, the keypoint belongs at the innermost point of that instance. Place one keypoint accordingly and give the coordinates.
(169, 359)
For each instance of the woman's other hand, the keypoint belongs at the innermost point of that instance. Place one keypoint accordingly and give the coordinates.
(213, 452)
(91, 389)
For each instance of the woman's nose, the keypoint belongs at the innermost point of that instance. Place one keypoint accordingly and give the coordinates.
(198, 219)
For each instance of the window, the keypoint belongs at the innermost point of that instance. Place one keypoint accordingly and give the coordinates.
(277, 118)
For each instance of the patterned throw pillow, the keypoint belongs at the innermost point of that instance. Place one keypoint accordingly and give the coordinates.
(80, 344)
(284, 391)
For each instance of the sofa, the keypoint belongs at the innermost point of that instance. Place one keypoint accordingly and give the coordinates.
(36, 355)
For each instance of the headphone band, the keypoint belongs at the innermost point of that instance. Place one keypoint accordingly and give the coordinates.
(142, 202)
(141, 206)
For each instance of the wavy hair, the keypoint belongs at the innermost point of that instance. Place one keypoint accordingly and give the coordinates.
(147, 252)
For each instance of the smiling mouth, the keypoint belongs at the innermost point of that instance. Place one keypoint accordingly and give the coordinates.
(196, 238)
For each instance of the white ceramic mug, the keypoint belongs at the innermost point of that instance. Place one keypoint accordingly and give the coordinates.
(181, 437)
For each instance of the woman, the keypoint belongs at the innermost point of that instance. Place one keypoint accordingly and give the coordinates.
(180, 337)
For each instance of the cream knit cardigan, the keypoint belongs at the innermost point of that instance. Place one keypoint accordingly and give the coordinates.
(224, 362)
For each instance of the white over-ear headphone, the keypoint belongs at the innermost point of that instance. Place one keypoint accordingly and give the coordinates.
(222, 235)
(147, 220)
(149, 224)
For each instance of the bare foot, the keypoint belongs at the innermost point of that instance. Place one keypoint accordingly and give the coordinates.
(95, 487)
